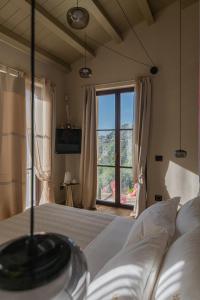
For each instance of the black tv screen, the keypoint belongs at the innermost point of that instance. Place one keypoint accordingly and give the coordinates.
(68, 141)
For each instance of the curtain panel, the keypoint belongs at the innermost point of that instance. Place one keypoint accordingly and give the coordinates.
(43, 147)
(12, 145)
(142, 126)
(88, 164)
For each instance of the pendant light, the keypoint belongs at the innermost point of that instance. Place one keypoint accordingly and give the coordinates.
(85, 72)
(78, 17)
(180, 153)
(41, 266)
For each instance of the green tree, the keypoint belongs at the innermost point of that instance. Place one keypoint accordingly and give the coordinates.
(106, 156)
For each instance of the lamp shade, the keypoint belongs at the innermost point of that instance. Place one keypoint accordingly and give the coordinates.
(85, 72)
(78, 17)
(52, 268)
(180, 153)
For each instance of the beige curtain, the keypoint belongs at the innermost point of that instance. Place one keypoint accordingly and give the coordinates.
(142, 125)
(88, 165)
(44, 103)
(12, 145)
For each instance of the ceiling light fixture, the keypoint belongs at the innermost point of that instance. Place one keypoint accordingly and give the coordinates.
(44, 265)
(180, 153)
(78, 17)
(85, 72)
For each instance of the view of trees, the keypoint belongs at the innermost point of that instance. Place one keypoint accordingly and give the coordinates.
(106, 156)
(111, 106)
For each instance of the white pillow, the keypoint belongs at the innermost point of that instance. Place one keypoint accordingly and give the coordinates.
(188, 216)
(180, 273)
(131, 274)
(158, 217)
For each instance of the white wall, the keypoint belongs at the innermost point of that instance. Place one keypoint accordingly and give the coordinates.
(16, 59)
(172, 176)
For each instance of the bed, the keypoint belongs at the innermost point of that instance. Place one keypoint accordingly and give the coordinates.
(100, 236)
(152, 258)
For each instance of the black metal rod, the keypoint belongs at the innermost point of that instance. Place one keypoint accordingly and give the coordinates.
(117, 147)
(85, 51)
(180, 74)
(32, 113)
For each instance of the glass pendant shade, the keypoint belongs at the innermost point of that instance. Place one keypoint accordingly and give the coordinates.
(85, 72)
(180, 153)
(51, 267)
(78, 17)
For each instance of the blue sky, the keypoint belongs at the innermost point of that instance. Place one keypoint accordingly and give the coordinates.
(106, 110)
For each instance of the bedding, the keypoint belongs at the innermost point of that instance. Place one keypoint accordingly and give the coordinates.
(131, 274)
(112, 243)
(82, 226)
(156, 218)
(188, 216)
(180, 272)
(100, 236)
(109, 242)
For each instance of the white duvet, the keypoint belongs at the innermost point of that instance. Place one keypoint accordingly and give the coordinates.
(100, 236)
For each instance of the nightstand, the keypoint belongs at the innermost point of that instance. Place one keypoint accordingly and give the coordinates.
(69, 193)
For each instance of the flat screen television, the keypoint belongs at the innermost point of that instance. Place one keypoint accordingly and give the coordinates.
(68, 141)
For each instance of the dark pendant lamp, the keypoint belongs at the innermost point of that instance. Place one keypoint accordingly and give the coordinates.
(45, 265)
(78, 17)
(85, 72)
(180, 153)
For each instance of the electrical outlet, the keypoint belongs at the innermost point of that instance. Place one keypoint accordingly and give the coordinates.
(158, 198)
(62, 187)
(158, 158)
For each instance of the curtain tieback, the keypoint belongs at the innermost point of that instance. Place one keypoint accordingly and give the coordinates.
(45, 180)
(141, 179)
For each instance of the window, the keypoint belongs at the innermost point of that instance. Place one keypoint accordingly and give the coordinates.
(43, 128)
(115, 140)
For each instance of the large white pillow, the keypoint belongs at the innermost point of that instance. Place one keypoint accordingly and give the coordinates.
(188, 216)
(180, 273)
(158, 217)
(131, 274)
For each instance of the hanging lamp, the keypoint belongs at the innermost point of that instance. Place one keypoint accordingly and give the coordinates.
(180, 153)
(41, 266)
(85, 72)
(78, 17)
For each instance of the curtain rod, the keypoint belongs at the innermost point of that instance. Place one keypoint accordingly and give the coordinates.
(14, 72)
(38, 81)
(10, 70)
(131, 81)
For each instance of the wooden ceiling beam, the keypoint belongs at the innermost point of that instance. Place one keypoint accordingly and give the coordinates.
(103, 19)
(9, 37)
(60, 30)
(146, 11)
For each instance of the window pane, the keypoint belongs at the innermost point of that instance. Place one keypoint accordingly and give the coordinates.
(127, 189)
(127, 109)
(106, 147)
(126, 148)
(106, 184)
(106, 111)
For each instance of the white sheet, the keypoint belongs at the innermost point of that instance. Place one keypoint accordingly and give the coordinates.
(100, 236)
(107, 244)
(82, 226)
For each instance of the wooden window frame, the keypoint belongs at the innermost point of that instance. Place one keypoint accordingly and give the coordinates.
(117, 129)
